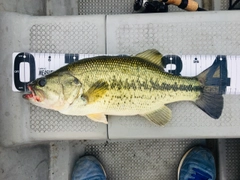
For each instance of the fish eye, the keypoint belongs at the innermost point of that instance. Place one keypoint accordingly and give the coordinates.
(42, 82)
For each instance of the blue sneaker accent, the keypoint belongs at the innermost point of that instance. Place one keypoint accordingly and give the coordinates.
(88, 168)
(197, 164)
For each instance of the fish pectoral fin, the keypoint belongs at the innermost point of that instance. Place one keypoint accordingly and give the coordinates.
(153, 56)
(160, 116)
(100, 117)
(96, 91)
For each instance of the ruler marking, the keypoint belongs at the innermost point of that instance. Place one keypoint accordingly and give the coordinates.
(189, 68)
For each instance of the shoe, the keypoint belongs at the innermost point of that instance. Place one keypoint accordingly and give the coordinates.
(197, 164)
(88, 168)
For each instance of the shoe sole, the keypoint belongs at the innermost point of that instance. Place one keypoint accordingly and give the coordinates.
(102, 167)
(181, 162)
(103, 170)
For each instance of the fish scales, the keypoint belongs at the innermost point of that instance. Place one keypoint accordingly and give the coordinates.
(134, 83)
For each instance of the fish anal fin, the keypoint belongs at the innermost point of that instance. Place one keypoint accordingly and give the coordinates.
(153, 56)
(99, 117)
(160, 116)
(96, 91)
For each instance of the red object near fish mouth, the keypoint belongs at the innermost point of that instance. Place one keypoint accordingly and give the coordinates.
(31, 95)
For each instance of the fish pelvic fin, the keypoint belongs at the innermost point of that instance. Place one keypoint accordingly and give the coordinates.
(160, 116)
(210, 100)
(98, 117)
(96, 91)
(153, 56)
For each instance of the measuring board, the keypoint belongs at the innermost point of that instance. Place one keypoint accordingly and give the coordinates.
(29, 66)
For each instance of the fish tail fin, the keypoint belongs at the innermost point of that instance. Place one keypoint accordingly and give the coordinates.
(210, 100)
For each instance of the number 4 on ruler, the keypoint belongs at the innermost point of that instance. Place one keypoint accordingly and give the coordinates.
(220, 80)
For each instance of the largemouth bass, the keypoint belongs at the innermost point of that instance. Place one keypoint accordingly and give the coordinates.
(123, 86)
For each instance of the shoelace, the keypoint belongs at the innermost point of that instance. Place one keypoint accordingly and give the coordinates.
(200, 175)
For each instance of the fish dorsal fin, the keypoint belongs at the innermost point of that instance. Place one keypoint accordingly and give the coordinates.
(96, 91)
(152, 55)
(160, 116)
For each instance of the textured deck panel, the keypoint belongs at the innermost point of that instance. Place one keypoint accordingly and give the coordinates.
(175, 33)
(178, 34)
(151, 159)
(84, 36)
(65, 34)
(87, 7)
(65, 37)
(229, 159)
(141, 159)
(68, 36)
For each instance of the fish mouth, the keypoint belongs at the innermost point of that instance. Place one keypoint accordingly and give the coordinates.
(31, 95)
